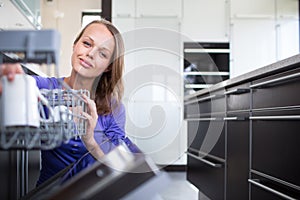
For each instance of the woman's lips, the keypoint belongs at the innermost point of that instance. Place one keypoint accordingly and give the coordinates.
(85, 63)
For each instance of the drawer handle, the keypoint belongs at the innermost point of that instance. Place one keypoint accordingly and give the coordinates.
(234, 118)
(256, 183)
(215, 165)
(205, 119)
(214, 96)
(284, 117)
(237, 91)
(284, 78)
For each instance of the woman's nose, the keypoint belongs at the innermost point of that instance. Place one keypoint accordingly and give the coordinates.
(91, 52)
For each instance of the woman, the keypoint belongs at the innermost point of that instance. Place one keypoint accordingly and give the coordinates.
(97, 65)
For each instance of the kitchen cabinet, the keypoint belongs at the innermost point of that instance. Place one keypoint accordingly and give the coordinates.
(237, 141)
(262, 32)
(275, 157)
(123, 8)
(145, 8)
(153, 84)
(205, 21)
(245, 55)
(260, 140)
(275, 149)
(287, 27)
(268, 189)
(253, 7)
(168, 8)
(208, 178)
(206, 136)
(237, 149)
(206, 164)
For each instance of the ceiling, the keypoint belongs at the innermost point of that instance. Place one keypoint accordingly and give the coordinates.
(11, 17)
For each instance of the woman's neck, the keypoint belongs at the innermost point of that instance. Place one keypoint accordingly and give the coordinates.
(76, 82)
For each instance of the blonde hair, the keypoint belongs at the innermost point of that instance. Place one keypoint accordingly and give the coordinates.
(109, 87)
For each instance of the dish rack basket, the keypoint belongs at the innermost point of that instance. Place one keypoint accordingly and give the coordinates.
(67, 123)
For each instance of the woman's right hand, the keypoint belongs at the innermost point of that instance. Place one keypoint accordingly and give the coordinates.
(10, 70)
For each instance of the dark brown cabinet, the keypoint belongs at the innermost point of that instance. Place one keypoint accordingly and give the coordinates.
(257, 152)
(237, 149)
(275, 155)
(207, 175)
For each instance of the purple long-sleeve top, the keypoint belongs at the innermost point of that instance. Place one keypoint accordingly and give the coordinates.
(109, 126)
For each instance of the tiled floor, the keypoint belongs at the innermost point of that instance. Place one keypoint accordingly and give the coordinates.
(179, 188)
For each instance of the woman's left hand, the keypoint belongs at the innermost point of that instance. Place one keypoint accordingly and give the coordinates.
(88, 139)
(91, 116)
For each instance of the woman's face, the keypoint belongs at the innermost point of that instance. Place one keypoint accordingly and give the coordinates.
(93, 51)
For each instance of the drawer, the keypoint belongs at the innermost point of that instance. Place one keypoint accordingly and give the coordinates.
(275, 144)
(207, 136)
(206, 104)
(270, 188)
(238, 97)
(207, 178)
(277, 91)
(191, 110)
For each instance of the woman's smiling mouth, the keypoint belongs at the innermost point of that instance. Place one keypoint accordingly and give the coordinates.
(85, 63)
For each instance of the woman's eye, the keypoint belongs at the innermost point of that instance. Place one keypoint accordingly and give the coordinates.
(87, 44)
(102, 55)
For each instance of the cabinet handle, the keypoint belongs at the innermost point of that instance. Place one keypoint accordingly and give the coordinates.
(214, 96)
(256, 183)
(215, 165)
(237, 91)
(234, 118)
(206, 119)
(284, 78)
(284, 117)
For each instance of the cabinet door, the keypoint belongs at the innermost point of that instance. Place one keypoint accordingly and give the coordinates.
(122, 8)
(287, 28)
(153, 84)
(275, 144)
(277, 91)
(268, 188)
(252, 44)
(195, 23)
(207, 137)
(237, 156)
(206, 156)
(167, 8)
(252, 8)
(208, 179)
(238, 98)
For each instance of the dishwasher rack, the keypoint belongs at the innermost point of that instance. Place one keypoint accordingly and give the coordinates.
(66, 124)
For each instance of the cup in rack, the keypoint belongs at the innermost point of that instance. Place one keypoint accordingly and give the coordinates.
(19, 102)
